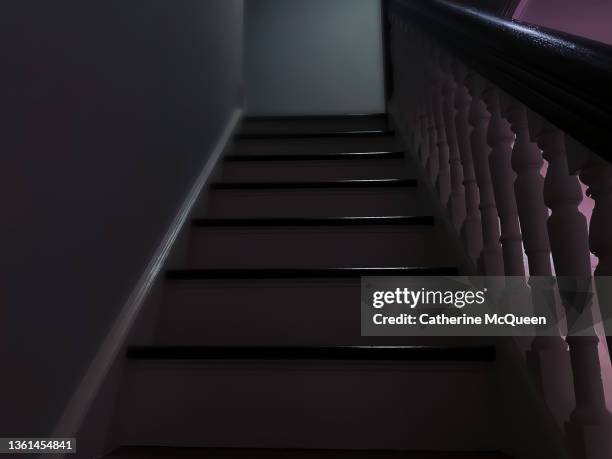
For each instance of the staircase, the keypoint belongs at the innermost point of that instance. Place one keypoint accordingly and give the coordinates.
(257, 349)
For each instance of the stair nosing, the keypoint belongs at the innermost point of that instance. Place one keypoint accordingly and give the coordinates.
(364, 353)
(386, 155)
(424, 220)
(305, 273)
(370, 183)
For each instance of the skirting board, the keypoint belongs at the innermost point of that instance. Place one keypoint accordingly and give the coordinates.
(90, 385)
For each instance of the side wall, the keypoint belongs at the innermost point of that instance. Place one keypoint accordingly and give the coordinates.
(314, 57)
(112, 110)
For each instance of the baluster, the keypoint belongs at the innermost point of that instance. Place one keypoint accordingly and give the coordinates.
(456, 205)
(589, 425)
(567, 229)
(443, 179)
(471, 229)
(423, 87)
(529, 191)
(596, 173)
(433, 159)
(490, 262)
(423, 123)
(410, 105)
(501, 138)
(547, 356)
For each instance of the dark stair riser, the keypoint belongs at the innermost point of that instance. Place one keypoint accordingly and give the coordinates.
(316, 135)
(315, 222)
(391, 353)
(333, 184)
(294, 273)
(298, 157)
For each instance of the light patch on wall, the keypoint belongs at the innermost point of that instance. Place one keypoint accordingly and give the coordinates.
(314, 57)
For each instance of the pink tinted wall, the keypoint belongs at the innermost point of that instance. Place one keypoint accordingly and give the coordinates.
(587, 18)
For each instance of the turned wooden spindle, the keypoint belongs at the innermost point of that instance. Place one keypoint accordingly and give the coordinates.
(596, 174)
(408, 81)
(527, 162)
(456, 204)
(490, 260)
(547, 356)
(471, 230)
(501, 139)
(443, 182)
(424, 134)
(567, 227)
(423, 87)
(433, 159)
(568, 234)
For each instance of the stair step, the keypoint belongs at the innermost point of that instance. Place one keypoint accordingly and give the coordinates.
(332, 201)
(317, 135)
(156, 452)
(309, 167)
(295, 273)
(368, 155)
(370, 353)
(315, 221)
(305, 243)
(320, 123)
(324, 142)
(327, 184)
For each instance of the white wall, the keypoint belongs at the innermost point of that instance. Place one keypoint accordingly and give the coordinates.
(314, 57)
(113, 109)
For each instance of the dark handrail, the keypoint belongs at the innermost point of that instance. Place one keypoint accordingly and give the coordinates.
(565, 78)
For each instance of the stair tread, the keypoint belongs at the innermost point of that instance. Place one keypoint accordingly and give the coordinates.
(373, 183)
(296, 273)
(316, 221)
(346, 116)
(145, 452)
(315, 156)
(315, 135)
(367, 353)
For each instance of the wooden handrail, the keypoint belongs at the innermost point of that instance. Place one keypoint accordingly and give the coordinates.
(565, 78)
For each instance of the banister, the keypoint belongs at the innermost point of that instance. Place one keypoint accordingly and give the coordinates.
(564, 78)
(481, 102)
